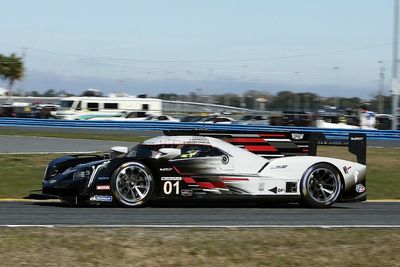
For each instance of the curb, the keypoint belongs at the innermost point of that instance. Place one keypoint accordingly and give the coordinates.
(28, 200)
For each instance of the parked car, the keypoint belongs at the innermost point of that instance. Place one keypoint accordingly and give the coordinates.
(254, 119)
(217, 119)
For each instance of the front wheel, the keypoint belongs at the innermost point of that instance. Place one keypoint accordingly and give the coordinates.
(320, 186)
(132, 184)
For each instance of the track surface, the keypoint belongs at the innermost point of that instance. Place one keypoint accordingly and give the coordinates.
(26, 144)
(212, 214)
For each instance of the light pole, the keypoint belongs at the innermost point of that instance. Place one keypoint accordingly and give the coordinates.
(395, 85)
(381, 88)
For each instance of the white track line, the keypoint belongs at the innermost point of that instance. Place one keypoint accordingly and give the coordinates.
(192, 226)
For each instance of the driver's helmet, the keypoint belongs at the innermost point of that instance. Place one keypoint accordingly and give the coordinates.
(190, 153)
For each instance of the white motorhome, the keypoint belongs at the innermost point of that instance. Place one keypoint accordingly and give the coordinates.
(81, 108)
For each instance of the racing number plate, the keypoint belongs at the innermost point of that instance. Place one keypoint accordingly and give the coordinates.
(171, 186)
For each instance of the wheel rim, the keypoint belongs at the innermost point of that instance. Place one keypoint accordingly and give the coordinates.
(133, 183)
(323, 185)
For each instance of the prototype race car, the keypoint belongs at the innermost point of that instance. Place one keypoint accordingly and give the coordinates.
(212, 165)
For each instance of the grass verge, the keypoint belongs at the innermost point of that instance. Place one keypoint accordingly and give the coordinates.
(21, 173)
(199, 247)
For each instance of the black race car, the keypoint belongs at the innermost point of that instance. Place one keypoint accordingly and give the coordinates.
(206, 165)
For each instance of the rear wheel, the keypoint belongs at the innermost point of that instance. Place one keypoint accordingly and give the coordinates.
(320, 186)
(132, 184)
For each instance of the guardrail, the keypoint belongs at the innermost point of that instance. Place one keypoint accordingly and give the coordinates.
(159, 126)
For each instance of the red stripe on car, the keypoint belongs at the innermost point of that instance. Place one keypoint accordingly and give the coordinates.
(260, 148)
(219, 184)
(189, 180)
(245, 140)
(206, 185)
(176, 169)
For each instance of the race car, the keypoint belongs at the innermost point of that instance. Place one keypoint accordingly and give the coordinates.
(203, 165)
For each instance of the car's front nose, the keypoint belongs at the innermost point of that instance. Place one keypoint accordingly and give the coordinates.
(62, 184)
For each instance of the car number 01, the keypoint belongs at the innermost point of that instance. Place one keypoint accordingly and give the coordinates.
(169, 186)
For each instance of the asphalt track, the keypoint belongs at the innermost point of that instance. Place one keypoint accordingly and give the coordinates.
(26, 144)
(366, 214)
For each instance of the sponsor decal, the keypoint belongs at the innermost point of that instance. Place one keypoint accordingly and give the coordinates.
(102, 198)
(346, 169)
(225, 159)
(171, 178)
(261, 186)
(103, 178)
(279, 167)
(165, 169)
(297, 136)
(355, 176)
(360, 188)
(356, 138)
(277, 190)
(186, 192)
(103, 187)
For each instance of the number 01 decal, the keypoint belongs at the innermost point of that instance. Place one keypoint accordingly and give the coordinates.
(170, 187)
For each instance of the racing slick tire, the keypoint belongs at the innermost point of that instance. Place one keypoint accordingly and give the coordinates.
(132, 184)
(320, 186)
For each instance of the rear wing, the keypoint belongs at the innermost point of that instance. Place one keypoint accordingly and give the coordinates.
(282, 144)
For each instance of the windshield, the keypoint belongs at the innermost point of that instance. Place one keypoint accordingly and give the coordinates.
(147, 151)
(66, 104)
(187, 151)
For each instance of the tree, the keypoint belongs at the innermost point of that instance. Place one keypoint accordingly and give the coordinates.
(283, 100)
(232, 100)
(50, 93)
(11, 69)
(250, 98)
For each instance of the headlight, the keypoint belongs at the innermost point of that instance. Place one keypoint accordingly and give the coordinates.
(50, 172)
(83, 173)
(45, 172)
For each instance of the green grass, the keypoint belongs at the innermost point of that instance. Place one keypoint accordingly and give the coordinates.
(199, 247)
(112, 135)
(21, 173)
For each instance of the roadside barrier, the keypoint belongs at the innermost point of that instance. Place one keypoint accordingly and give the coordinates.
(160, 126)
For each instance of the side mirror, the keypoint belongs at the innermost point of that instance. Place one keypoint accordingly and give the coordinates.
(169, 153)
(118, 150)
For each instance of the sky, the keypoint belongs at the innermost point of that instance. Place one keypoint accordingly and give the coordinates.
(332, 48)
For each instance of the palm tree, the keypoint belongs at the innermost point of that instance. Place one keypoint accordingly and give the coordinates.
(11, 69)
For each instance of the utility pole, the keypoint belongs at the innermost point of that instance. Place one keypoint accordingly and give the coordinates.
(395, 83)
(381, 89)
